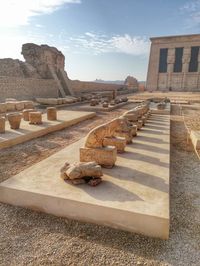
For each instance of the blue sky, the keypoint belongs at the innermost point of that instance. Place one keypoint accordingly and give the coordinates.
(103, 39)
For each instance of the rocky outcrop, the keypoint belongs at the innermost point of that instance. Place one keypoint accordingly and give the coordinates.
(131, 82)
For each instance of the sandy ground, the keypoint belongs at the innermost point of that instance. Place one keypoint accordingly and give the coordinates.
(31, 238)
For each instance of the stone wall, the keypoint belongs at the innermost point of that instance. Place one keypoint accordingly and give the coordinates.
(84, 86)
(26, 88)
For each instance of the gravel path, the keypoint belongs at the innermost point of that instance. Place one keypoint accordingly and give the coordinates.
(31, 238)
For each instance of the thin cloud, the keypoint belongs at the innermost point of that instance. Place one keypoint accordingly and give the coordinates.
(191, 10)
(100, 43)
(15, 13)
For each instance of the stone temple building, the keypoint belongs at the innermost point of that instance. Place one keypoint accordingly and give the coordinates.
(174, 63)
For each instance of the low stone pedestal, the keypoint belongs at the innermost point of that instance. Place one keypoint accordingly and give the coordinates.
(3, 108)
(2, 124)
(10, 106)
(14, 120)
(105, 105)
(25, 114)
(125, 134)
(118, 142)
(51, 113)
(19, 106)
(131, 117)
(134, 130)
(35, 118)
(139, 124)
(105, 156)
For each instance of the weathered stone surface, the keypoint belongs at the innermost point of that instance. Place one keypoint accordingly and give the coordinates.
(119, 143)
(19, 106)
(105, 156)
(14, 120)
(28, 104)
(131, 82)
(10, 106)
(80, 169)
(3, 108)
(96, 136)
(2, 125)
(105, 105)
(25, 114)
(51, 113)
(42, 56)
(35, 118)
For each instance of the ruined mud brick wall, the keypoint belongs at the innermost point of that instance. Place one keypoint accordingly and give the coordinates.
(26, 88)
(84, 86)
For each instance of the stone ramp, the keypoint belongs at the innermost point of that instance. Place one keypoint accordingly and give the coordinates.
(27, 132)
(134, 195)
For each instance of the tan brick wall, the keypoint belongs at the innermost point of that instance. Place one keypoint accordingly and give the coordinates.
(83, 86)
(26, 88)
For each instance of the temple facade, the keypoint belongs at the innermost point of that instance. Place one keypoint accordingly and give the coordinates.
(174, 63)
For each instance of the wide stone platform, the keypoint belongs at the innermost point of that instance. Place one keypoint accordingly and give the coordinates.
(134, 195)
(27, 132)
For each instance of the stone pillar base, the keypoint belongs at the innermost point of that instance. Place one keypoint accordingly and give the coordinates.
(106, 156)
(125, 134)
(35, 118)
(119, 143)
(134, 130)
(51, 113)
(2, 124)
(139, 124)
(25, 114)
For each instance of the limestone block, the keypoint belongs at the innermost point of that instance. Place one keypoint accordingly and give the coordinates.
(133, 130)
(14, 120)
(67, 100)
(51, 113)
(131, 117)
(26, 112)
(60, 101)
(47, 101)
(35, 118)
(10, 106)
(3, 108)
(19, 106)
(105, 105)
(10, 100)
(28, 104)
(195, 138)
(139, 124)
(125, 134)
(119, 143)
(2, 124)
(105, 156)
(80, 170)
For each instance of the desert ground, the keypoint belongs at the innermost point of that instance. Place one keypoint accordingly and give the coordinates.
(31, 238)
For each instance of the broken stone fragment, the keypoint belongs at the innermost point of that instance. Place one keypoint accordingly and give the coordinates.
(83, 172)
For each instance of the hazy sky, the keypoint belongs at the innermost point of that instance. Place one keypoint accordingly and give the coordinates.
(104, 39)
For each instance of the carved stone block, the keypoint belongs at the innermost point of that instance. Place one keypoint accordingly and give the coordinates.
(125, 134)
(35, 118)
(105, 156)
(14, 120)
(51, 113)
(118, 142)
(25, 114)
(2, 124)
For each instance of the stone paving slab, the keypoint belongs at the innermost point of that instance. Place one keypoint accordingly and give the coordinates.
(27, 132)
(134, 195)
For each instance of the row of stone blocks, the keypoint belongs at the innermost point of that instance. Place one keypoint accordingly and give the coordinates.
(103, 142)
(33, 116)
(13, 105)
